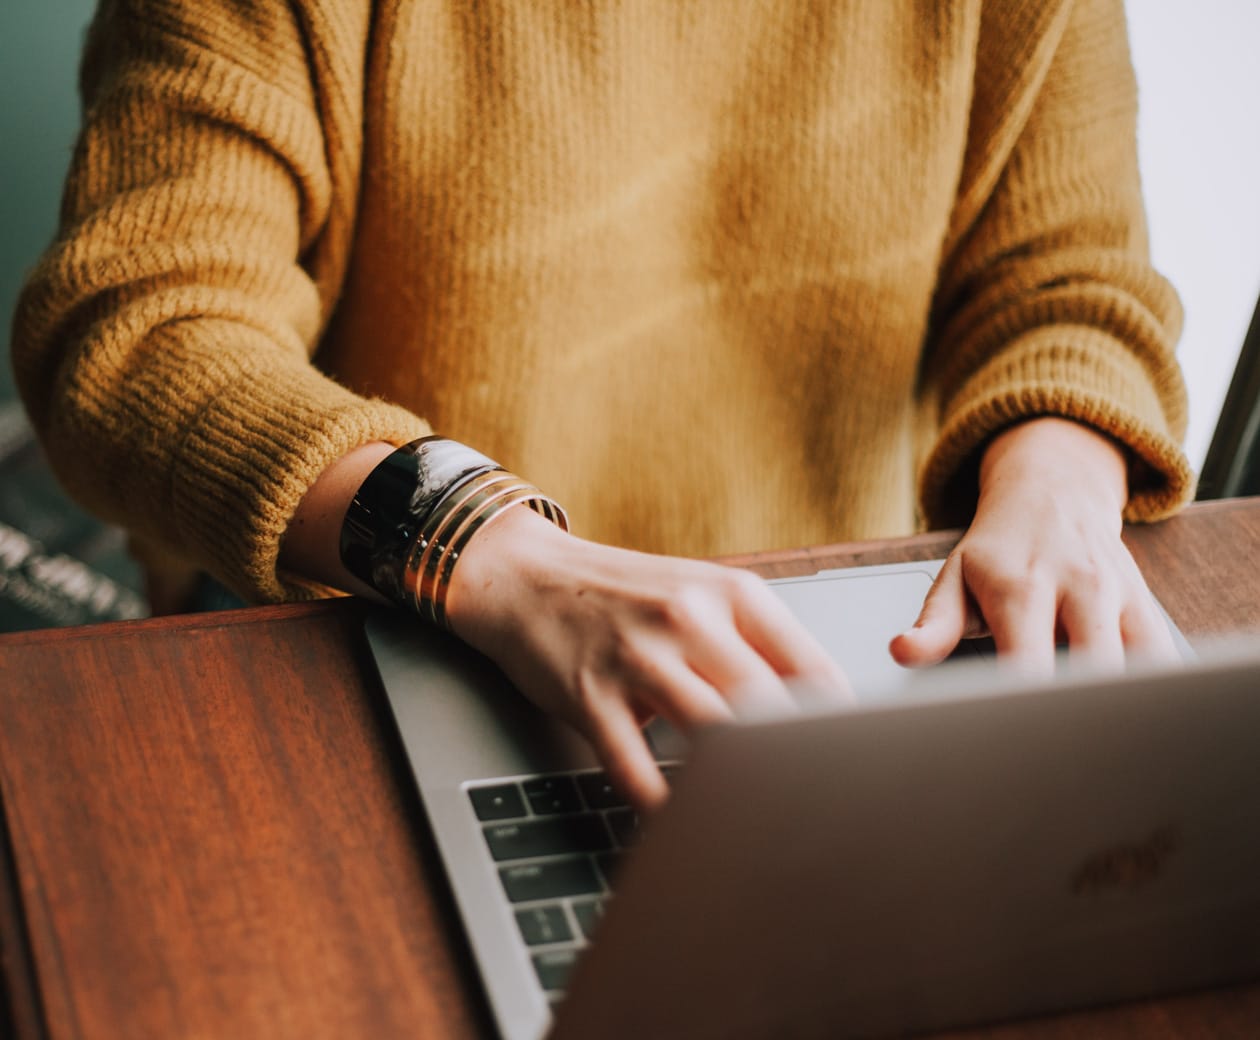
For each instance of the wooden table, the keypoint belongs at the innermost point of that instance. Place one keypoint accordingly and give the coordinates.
(211, 832)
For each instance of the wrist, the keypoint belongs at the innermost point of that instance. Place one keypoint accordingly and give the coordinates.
(1058, 451)
(501, 569)
(309, 547)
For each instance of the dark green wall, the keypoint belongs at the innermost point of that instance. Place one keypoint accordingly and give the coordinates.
(39, 114)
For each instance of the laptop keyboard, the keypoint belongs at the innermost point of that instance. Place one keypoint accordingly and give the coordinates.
(556, 840)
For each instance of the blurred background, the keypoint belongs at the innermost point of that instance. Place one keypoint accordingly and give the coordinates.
(58, 566)
(1199, 147)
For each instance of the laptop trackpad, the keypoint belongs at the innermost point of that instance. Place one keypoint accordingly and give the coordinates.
(853, 615)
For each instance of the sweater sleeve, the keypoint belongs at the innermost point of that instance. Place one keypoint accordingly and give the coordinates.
(162, 346)
(1047, 302)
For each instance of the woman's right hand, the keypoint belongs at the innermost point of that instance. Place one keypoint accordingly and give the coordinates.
(607, 638)
(604, 638)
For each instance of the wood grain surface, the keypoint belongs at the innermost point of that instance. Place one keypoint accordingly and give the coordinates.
(211, 837)
(211, 832)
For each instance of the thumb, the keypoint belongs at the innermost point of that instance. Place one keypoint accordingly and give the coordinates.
(942, 622)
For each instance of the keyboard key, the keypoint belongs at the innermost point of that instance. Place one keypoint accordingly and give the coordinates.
(500, 802)
(551, 836)
(544, 924)
(552, 879)
(625, 827)
(549, 795)
(588, 912)
(598, 792)
(553, 967)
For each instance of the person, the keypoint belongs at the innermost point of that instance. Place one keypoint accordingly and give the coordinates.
(720, 277)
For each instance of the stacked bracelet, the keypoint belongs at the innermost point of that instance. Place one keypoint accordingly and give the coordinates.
(417, 511)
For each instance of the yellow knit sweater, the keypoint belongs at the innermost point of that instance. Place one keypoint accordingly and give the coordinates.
(719, 276)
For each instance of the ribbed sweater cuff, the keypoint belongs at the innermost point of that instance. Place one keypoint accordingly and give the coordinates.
(251, 455)
(1076, 373)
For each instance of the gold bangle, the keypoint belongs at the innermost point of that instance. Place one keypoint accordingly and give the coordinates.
(425, 542)
(416, 552)
(463, 511)
(493, 507)
(439, 526)
(454, 523)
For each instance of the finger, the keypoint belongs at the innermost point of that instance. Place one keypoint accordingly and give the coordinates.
(1021, 617)
(1091, 623)
(787, 647)
(947, 616)
(624, 752)
(666, 684)
(1143, 627)
(1145, 632)
(751, 687)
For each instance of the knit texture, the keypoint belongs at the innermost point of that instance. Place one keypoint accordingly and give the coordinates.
(720, 277)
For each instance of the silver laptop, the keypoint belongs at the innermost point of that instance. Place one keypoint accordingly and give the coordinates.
(946, 852)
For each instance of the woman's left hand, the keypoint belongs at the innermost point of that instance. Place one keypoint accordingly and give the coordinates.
(1042, 562)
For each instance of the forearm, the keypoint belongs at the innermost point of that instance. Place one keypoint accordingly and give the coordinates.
(311, 545)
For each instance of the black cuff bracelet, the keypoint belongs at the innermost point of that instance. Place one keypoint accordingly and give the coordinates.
(390, 508)
(411, 519)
